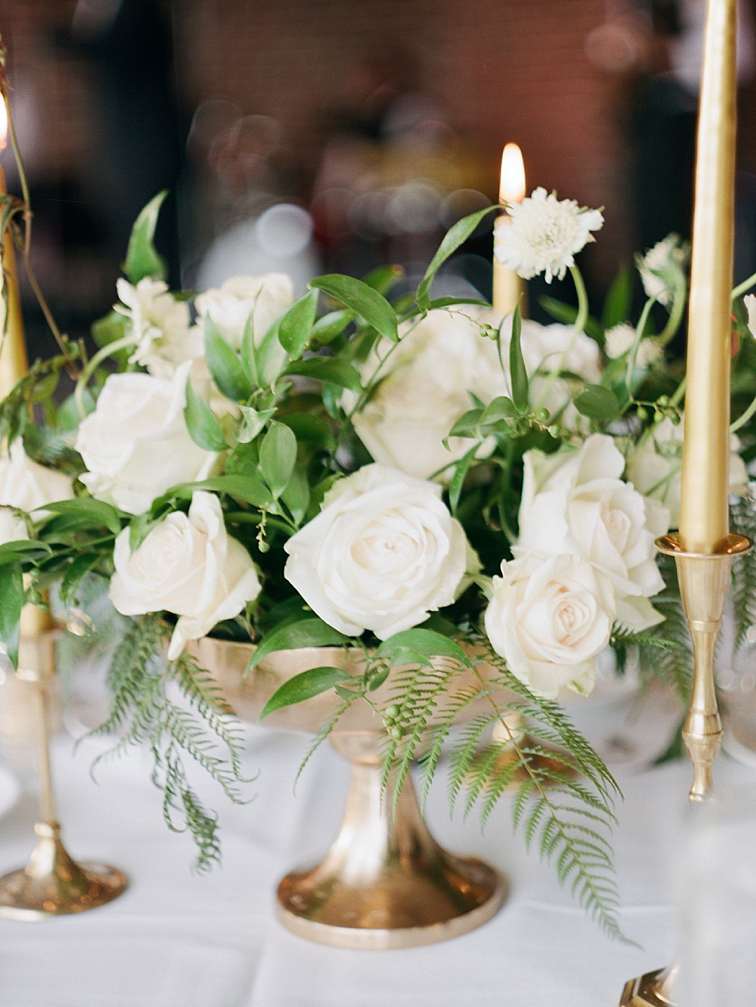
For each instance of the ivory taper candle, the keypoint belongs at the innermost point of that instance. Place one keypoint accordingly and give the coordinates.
(13, 361)
(507, 285)
(704, 516)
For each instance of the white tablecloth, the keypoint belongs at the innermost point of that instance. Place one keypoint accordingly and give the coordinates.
(177, 939)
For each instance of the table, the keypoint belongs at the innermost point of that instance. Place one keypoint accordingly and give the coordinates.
(178, 939)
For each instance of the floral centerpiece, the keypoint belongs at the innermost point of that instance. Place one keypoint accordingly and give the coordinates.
(416, 477)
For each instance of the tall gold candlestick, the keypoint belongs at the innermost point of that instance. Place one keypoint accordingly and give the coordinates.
(13, 360)
(507, 285)
(704, 518)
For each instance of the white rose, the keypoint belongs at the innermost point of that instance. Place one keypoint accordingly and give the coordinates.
(655, 467)
(12, 526)
(264, 298)
(136, 444)
(381, 555)
(187, 565)
(575, 502)
(160, 325)
(548, 620)
(28, 486)
(426, 384)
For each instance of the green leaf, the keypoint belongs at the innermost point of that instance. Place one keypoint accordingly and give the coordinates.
(270, 357)
(425, 642)
(517, 365)
(201, 422)
(141, 258)
(467, 424)
(75, 573)
(296, 495)
(310, 429)
(245, 488)
(331, 325)
(224, 365)
(383, 278)
(455, 236)
(331, 369)
(619, 298)
(11, 602)
(500, 408)
(253, 421)
(598, 403)
(90, 512)
(457, 481)
(248, 352)
(363, 300)
(304, 686)
(295, 326)
(23, 552)
(278, 456)
(307, 632)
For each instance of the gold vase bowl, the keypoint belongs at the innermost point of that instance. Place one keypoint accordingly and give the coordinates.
(385, 882)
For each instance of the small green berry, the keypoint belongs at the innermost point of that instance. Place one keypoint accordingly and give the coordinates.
(674, 417)
(663, 401)
(542, 416)
(392, 711)
(642, 413)
(658, 416)
(554, 431)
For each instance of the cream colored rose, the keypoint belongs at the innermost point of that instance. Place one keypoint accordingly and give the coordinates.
(575, 502)
(655, 467)
(160, 324)
(187, 565)
(548, 620)
(12, 526)
(264, 298)
(136, 444)
(27, 485)
(426, 384)
(383, 553)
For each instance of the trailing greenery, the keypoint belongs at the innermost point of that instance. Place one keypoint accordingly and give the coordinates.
(144, 711)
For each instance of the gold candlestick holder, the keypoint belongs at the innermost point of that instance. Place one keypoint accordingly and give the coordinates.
(704, 579)
(52, 883)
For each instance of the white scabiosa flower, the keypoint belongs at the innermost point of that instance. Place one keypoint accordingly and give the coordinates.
(661, 268)
(620, 338)
(545, 235)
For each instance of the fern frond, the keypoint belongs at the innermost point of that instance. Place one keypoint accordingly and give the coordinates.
(744, 569)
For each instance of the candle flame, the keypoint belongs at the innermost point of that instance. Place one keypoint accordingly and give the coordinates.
(3, 123)
(512, 184)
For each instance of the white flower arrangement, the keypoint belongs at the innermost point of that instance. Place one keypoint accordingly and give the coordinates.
(419, 480)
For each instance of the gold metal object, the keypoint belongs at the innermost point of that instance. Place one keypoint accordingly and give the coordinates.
(654, 989)
(51, 884)
(385, 882)
(704, 580)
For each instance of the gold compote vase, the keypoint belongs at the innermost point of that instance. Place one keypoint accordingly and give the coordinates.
(385, 882)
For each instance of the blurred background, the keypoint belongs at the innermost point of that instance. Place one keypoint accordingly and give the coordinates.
(318, 135)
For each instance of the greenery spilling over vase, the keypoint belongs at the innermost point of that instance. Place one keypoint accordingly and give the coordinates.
(414, 476)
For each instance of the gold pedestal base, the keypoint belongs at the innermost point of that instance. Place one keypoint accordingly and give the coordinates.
(52, 884)
(650, 990)
(385, 882)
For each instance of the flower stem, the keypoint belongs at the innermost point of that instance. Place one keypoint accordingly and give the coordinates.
(579, 325)
(27, 214)
(742, 287)
(641, 328)
(676, 313)
(86, 374)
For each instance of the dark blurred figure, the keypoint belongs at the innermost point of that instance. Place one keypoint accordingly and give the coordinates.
(127, 45)
(662, 129)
